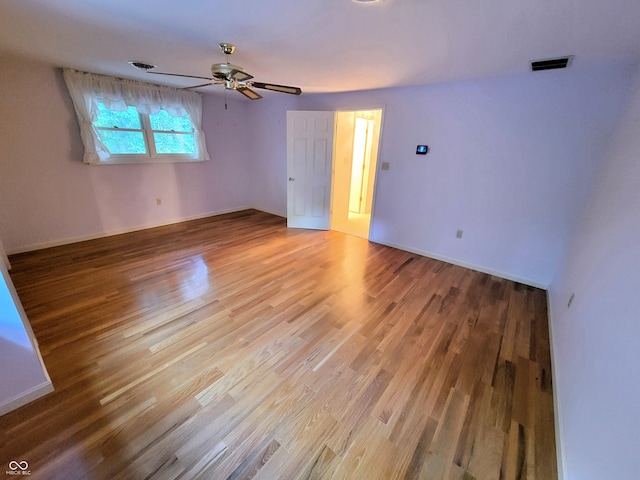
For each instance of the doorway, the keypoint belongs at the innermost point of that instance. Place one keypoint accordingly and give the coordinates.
(357, 138)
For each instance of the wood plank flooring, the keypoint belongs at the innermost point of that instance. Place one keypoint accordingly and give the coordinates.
(233, 348)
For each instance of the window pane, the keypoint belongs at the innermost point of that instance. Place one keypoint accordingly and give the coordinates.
(175, 143)
(165, 122)
(128, 118)
(123, 142)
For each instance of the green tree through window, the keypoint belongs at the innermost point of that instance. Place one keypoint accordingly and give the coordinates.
(129, 132)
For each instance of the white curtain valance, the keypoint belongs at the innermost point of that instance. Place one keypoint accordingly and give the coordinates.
(119, 94)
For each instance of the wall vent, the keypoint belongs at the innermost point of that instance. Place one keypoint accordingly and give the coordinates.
(551, 63)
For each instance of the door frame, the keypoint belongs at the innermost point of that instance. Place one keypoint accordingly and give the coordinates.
(382, 108)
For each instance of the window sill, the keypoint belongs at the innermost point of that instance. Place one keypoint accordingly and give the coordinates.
(142, 159)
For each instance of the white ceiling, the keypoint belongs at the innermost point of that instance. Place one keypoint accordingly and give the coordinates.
(321, 45)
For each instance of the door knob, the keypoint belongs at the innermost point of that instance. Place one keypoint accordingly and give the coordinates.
(291, 179)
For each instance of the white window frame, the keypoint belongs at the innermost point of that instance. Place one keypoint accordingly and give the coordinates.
(86, 89)
(151, 155)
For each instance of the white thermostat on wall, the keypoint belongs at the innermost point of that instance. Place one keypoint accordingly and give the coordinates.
(422, 149)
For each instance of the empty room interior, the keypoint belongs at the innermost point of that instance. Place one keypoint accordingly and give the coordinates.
(413, 255)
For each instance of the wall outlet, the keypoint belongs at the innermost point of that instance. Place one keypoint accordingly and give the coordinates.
(158, 201)
(459, 234)
(385, 166)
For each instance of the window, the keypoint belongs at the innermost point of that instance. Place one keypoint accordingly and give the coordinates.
(123, 121)
(121, 132)
(159, 136)
(172, 135)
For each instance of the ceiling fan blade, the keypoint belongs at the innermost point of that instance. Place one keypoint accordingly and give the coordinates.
(180, 75)
(239, 75)
(197, 86)
(247, 92)
(277, 88)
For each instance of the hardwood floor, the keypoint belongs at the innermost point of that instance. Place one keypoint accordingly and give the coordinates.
(233, 348)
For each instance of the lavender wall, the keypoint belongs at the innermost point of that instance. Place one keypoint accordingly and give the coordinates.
(267, 123)
(511, 163)
(596, 341)
(3, 256)
(49, 196)
(23, 377)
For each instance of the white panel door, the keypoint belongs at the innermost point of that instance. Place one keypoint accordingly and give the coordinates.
(309, 163)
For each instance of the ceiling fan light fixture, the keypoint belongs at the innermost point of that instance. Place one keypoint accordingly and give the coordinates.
(142, 66)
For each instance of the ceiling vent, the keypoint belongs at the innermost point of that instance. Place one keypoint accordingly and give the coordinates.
(551, 63)
(142, 66)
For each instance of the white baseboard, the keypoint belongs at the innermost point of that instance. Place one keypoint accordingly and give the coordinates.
(471, 266)
(557, 411)
(93, 236)
(283, 215)
(26, 397)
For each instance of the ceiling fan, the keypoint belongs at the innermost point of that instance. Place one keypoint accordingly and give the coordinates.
(234, 77)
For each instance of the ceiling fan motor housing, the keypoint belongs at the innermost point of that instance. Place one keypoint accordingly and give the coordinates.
(221, 71)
